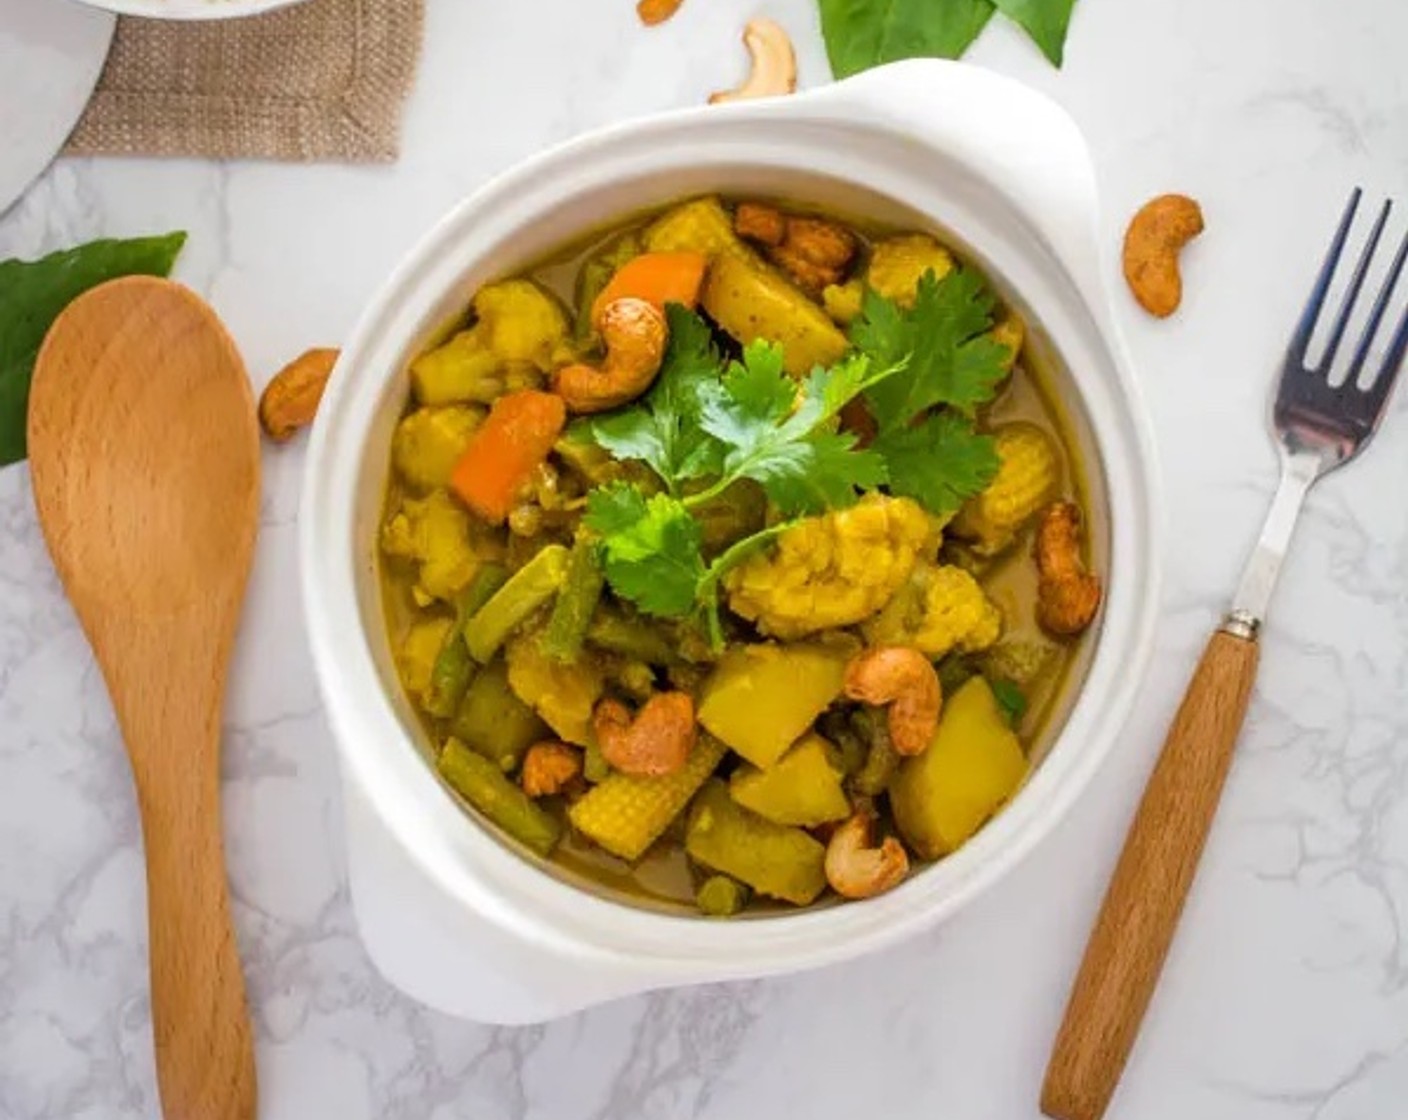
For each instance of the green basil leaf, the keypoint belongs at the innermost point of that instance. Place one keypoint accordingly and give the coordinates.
(1046, 21)
(864, 33)
(33, 293)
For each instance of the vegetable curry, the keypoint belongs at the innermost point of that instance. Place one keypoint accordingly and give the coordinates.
(736, 561)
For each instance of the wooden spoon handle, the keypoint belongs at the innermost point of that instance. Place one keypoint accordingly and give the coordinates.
(1141, 908)
(200, 1019)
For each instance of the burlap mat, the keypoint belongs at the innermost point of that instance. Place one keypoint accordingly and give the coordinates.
(323, 80)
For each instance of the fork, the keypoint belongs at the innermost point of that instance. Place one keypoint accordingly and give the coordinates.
(1318, 426)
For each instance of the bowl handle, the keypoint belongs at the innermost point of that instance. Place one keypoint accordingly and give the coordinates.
(1025, 145)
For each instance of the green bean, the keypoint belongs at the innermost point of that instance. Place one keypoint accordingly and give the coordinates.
(526, 590)
(576, 603)
(492, 720)
(481, 588)
(632, 637)
(954, 671)
(486, 787)
(449, 677)
(720, 897)
(881, 762)
(851, 748)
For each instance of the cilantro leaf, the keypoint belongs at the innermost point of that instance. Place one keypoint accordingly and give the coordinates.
(939, 462)
(650, 548)
(615, 508)
(779, 436)
(951, 360)
(819, 473)
(751, 399)
(662, 430)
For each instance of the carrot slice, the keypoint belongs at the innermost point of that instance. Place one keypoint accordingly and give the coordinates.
(515, 437)
(657, 278)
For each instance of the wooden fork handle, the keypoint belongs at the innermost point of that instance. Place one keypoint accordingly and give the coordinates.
(1142, 905)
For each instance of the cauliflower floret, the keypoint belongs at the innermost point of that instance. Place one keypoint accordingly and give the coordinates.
(429, 442)
(523, 323)
(463, 369)
(1027, 479)
(843, 301)
(898, 263)
(939, 609)
(435, 533)
(832, 570)
(520, 333)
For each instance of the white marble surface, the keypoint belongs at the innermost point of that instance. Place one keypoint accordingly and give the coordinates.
(1286, 996)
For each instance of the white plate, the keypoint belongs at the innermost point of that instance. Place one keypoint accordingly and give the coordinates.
(190, 9)
(51, 54)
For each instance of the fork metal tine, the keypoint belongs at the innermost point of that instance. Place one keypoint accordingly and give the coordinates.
(1376, 317)
(1351, 297)
(1300, 341)
(1378, 392)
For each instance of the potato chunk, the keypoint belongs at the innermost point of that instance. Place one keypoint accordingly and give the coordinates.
(801, 788)
(761, 699)
(774, 860)
(751, 300)
(942, 797)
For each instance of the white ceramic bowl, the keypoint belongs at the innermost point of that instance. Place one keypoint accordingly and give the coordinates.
(190, 9)
(450, 913)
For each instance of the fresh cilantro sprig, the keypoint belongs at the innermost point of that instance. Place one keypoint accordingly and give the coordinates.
(712, 424)
(783, 439)
(706, 424)
(939, 462)
(748, 419)
(952, 361)
(925, 433)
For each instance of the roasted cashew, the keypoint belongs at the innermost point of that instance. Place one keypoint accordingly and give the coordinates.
(1151, 246)
(774, 63)
(905, 679)
(656, 742)
(816, 253)
(634, 334)
(652, 12)
(759, 222)
(548, 767)
(290, 401)
(1067, 595)
(856, 870)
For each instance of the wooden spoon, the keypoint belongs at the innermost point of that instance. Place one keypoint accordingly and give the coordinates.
(145, 462)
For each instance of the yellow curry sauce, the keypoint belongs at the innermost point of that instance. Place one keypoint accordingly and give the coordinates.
(755, 810)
